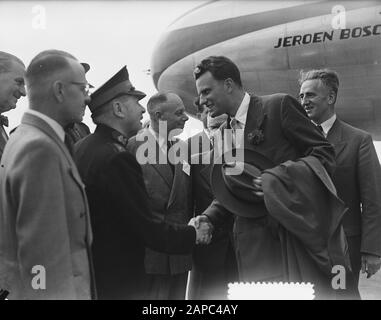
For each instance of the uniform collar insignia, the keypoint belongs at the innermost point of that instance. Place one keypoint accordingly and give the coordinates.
(117, 136)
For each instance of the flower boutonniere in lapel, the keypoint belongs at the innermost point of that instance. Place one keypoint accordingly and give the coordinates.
(256, 136)
(256, 120)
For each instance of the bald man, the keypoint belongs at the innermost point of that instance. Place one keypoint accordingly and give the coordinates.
(45, 232)
(168, 187)
(12, 88)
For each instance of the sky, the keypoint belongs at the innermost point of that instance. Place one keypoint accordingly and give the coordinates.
(105, 34)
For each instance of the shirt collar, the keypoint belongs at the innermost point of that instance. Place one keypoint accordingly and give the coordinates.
(241, 114)
(57, 128)
(207, 132)
(160, 140)
(327, 124)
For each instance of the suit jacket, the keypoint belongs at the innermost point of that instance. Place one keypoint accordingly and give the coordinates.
(288, 134)
(210, 257)
(214, 265)
(119, 210)
(44, 216)
(169, 197)
(358, 182)
(198, 144)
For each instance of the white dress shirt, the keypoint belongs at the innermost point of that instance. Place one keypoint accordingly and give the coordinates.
(160, 140)
(239, 120)
(327, 125)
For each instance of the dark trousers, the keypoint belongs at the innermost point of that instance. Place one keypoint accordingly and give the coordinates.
(207, 284)
(167, 287)
(354, 246)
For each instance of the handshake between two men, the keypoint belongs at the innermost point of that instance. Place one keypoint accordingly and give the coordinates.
(203, 227)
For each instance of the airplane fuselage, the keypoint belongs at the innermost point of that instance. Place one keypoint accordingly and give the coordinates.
(272, 41)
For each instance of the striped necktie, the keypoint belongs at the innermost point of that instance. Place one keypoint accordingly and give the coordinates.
(234, 125)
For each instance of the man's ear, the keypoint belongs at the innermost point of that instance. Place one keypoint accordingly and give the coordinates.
(332, 98)
(117, 109)
(58, 91)
(158, 116)
(228, 85)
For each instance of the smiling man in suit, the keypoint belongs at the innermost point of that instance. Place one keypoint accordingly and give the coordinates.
(12, 87)
(168, 186)
(277, 127)
(357, 176)
(44, 213)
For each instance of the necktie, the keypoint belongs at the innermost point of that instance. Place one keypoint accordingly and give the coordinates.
(234, 125)
(69, 144)
(169, 145)
(211, 139)
(321, 129)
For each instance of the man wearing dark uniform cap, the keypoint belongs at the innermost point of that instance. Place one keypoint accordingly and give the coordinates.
(117, 196)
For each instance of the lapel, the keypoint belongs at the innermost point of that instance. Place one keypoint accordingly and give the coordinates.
(39, 123)
(205, 172)
(256, 118)
(176, 183)
(200, 141)
(163, 170)
(202, 167)
(207, 167)
(205, 140)
(47, 129)
(335, 137)
(179, 179)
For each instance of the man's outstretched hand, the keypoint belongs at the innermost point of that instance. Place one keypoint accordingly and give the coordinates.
(204, 229)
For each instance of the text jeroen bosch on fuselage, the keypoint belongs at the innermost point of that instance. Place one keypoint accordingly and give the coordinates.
(302, 39)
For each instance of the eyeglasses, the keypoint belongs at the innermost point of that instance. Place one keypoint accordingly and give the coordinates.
(85, 87)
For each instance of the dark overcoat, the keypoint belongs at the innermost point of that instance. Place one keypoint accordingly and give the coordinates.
(277, 127)
(358, 182)
(119, 209)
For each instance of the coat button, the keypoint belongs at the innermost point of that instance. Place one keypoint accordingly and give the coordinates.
(82, 214)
